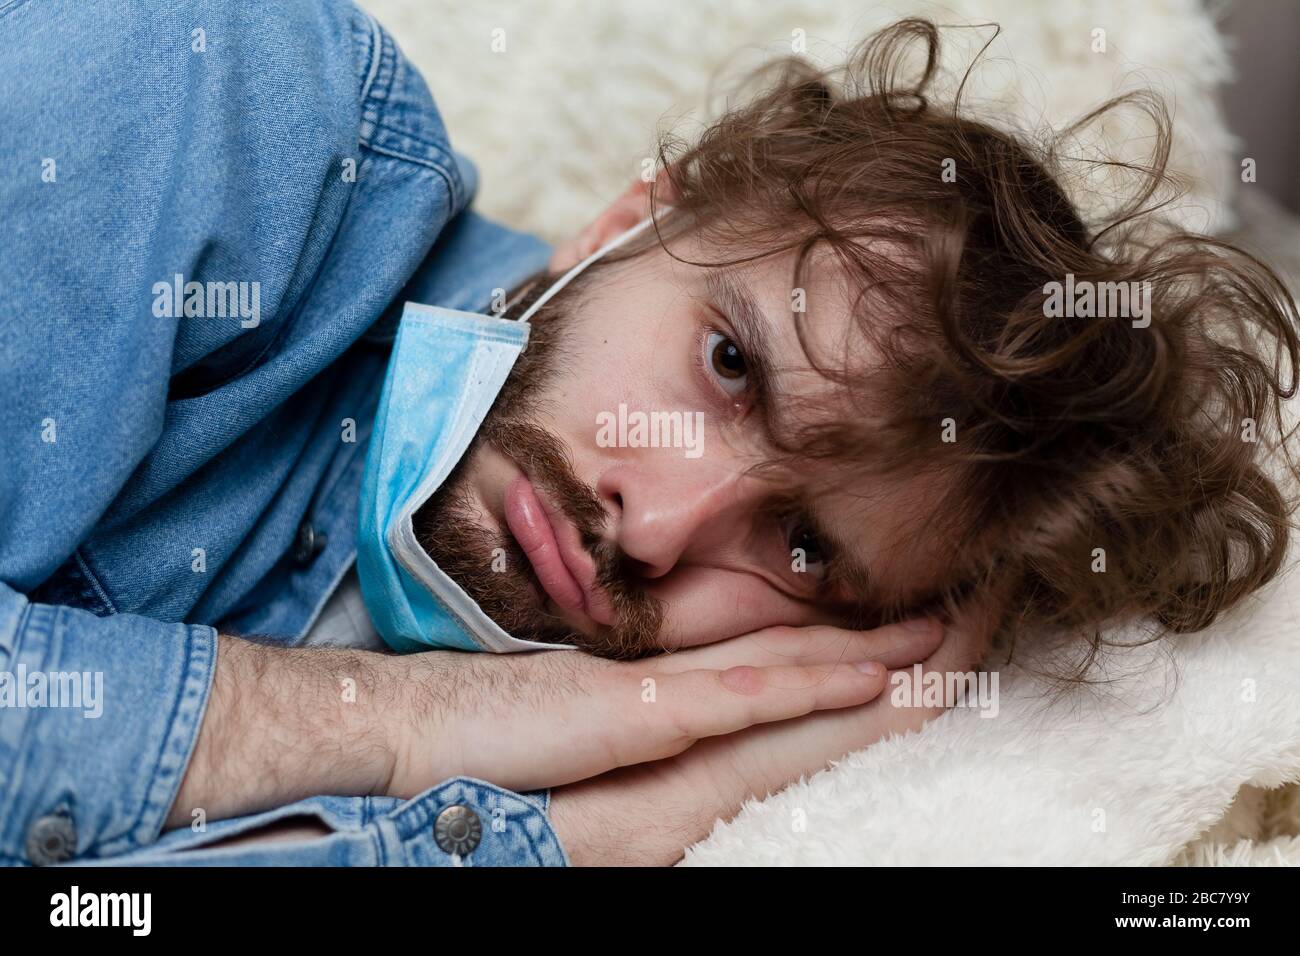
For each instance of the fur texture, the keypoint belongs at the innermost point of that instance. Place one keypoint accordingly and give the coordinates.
(560, 121)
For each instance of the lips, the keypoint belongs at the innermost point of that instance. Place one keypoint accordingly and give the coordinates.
(552, 544)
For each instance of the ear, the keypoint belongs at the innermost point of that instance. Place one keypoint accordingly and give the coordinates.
(616, 218)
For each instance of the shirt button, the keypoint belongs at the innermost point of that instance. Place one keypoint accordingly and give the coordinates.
(457, 830)
(52, 839)
(309, 544)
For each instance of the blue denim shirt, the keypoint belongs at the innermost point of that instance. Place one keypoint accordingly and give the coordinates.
(168, 475)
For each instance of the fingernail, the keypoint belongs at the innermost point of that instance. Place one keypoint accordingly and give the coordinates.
(870, 668)
(919, 624)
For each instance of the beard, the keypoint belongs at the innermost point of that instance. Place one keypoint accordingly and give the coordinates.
(450, 526)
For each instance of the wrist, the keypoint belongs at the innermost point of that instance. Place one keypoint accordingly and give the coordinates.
(370, 719)
(419, 747)
(623, 818)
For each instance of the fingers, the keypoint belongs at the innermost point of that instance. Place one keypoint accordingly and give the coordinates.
(959, 650)
(770, 757)
(830, 735)
(895, 645)
(706, 703)
(956, 652)
(902, 644)
(655, 709)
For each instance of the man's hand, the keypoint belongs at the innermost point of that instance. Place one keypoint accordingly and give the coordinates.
(649, 814)
(284, 724)
(529, 721)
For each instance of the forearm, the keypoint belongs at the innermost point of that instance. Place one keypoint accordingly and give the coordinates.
(283, 724)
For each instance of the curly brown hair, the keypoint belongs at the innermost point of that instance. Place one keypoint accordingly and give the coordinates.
(1082, 443)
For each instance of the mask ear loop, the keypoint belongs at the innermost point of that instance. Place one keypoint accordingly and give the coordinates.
(569, 276)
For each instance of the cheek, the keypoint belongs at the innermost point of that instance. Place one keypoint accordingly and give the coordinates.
(603, 367)
(636, 349)
(704, 605)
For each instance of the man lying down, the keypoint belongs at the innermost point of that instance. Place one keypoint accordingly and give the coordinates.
(850, 387)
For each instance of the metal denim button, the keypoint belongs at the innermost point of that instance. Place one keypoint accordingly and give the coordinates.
(51, 839)
(309, 544)
(457, 830)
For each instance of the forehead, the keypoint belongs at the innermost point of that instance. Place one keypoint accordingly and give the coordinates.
(811, 322)
(807, 323)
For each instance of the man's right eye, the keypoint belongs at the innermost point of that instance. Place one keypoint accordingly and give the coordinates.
(726, 361)
(804, 541)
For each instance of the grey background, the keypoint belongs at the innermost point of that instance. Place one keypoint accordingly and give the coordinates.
(1263, 105)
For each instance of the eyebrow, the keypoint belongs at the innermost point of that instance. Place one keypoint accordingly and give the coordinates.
(751, 326)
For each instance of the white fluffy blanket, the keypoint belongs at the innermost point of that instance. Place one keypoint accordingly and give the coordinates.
(1123, 773)
(558, 102)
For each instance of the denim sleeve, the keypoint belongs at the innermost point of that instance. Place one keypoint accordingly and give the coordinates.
(462, 822)
(142, 142)
(98, 717)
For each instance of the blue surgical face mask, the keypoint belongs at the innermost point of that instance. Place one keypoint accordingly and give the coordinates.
(445, 372)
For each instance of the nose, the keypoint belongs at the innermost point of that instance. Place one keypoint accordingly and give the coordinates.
(661, 514)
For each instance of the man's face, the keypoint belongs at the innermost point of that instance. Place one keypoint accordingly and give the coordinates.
(565, 523)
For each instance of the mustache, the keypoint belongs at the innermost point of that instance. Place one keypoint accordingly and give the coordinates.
(547, 461)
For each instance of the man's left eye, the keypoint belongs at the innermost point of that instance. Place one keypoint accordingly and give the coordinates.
(805, 543)
(727, 363)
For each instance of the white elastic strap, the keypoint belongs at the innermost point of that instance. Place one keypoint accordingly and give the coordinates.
(569, 276)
